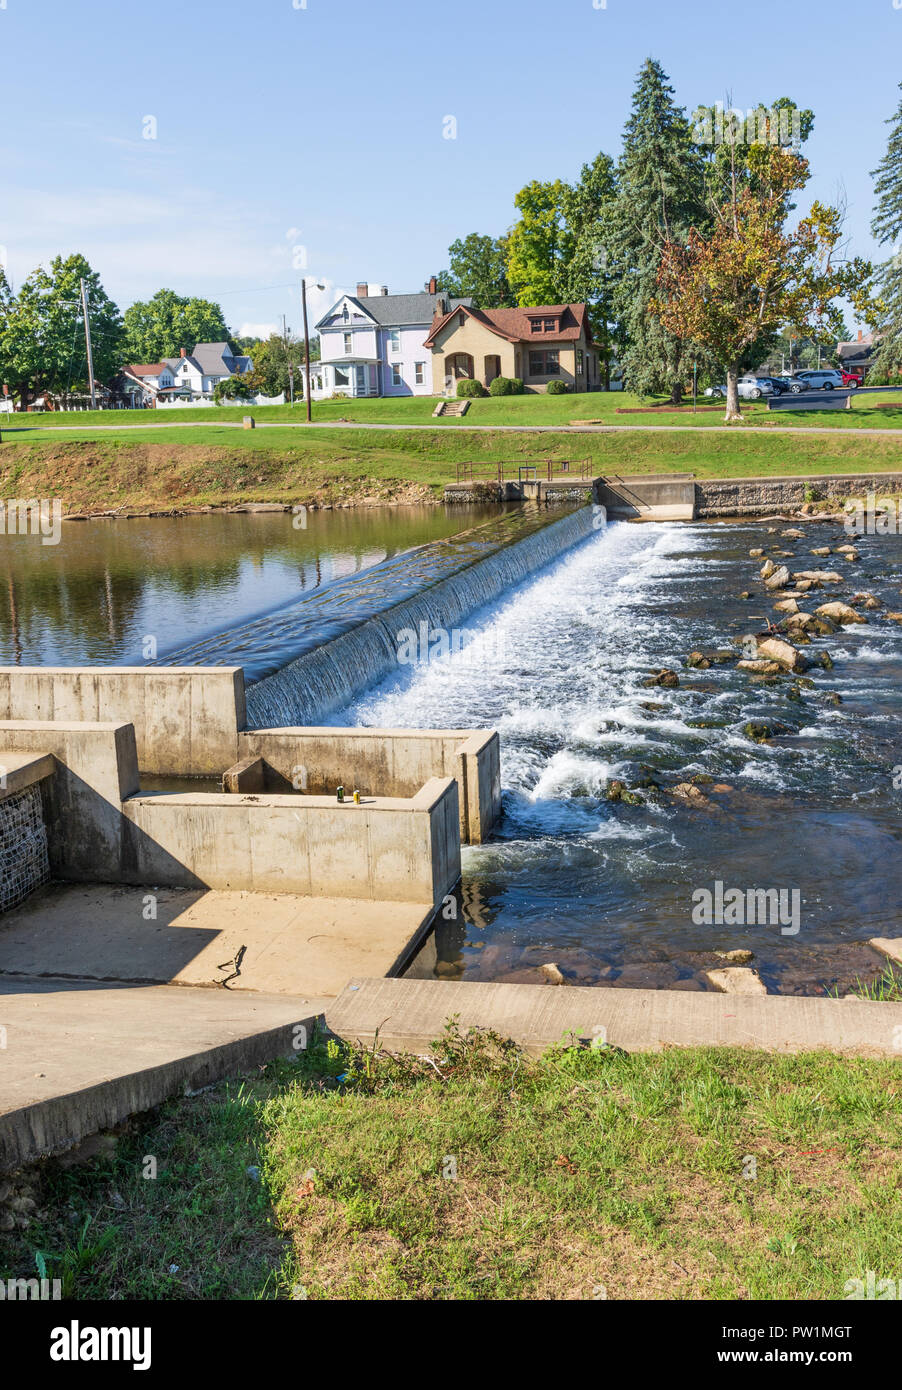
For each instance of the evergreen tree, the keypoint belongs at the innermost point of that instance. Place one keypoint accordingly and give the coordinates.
(887, 228)
(660, 197)
(587, 278)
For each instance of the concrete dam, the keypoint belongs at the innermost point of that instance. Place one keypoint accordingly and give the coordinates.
(313, 657)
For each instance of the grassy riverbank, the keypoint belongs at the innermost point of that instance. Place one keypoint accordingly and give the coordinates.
(160, 468)
(874, 410)
(583, 1175)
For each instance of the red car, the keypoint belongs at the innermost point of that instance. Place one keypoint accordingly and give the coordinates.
(853, 379)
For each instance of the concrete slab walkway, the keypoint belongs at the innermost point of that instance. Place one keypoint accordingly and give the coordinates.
(409, 1014)
(80, 1057)
(287, 944)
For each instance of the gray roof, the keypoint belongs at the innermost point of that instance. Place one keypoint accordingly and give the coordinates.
(398, 310)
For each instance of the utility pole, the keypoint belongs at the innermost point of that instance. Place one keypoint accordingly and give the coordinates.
(306, 348)
(84, 309)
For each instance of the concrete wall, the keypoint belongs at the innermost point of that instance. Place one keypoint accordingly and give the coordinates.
(186, 718)
(665, 498)
(383, 849)
(757, 496)
(96, 769)
(385, 762)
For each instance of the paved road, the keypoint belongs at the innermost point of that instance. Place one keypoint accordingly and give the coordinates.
(765, 427)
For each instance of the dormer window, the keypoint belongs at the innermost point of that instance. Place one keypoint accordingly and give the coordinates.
(543, 325)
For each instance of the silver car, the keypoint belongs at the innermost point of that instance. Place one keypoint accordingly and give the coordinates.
(749, 388)
(827, 380)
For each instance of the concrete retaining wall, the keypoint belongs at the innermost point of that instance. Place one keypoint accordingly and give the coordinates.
(24, 863)
(96, 769)
(757, 496)
(186, 718)
(384, 848)
(384, 762)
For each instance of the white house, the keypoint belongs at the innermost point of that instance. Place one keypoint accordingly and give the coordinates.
(372, 344)
(197, 374)
(191, 376)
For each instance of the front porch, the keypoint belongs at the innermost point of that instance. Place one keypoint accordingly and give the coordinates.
(346, 376)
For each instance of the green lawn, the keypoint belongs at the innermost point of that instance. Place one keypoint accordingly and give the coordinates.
(695, 1174)
(612, 408)
(208, 466)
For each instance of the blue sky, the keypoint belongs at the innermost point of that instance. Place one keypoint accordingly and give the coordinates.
(281, 126)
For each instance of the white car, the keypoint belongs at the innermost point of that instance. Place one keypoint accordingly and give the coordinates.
(827, 380)
(749, 388)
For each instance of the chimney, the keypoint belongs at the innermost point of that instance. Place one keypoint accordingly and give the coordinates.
(363, 289)
(860, 335)
(384, 289)
(183, 352)
(432, 286)
(441, 307)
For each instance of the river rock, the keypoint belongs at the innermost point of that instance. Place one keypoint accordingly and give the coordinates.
(756, 554)
(865, 600)
(794, 533)
(784, 653)
(818, 576)
(698, 661)
(779, 579)
(802, 585)
(826, 661)
(664, 677)
(895, 617)
(737, 979)
(552, 974)
(787, 605)
(760, 731)
(821, 550)
(760, 668)
(839, 613)
(767, 569)
(736, 957)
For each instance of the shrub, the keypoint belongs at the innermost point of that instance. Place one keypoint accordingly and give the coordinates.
(466, 387)
(501, 386)
(557, 388)
(516, 386)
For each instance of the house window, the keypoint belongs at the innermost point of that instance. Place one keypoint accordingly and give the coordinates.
(396, 378)
(344, 313)
(579, 361)
(214, 380)
(544, 363)
(420, 369)
(349, 342)
(341, 377)
(395, 337)
(543, 325)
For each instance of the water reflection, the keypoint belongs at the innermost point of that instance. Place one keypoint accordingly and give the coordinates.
(109, 584)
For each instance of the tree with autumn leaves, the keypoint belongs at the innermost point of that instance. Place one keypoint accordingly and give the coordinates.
(748, 274)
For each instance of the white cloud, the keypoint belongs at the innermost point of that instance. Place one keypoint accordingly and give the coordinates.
(257, 330)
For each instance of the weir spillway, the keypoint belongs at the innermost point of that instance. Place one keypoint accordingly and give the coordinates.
(318, 653)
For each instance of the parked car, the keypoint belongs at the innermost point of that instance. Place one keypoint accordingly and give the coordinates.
(827, 380)
(791, 384)
(853, 379)
(749, 388)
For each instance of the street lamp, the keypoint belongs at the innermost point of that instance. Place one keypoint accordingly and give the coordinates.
(317, 286)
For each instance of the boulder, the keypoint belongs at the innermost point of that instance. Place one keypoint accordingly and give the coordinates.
(794, 533)
(784, 653)
(787, 605)
(760, 668)
(760, 731)
(756, 554)
(821, 550)
(737, 979)
(736, 957)
(818, 576)
(779, 579)
(767, 569)
(839, 613)
(895, 617)
(664, 677)
(865, 600)
(552, 973)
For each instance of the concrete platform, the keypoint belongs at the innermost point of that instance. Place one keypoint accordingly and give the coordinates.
(292, 945)
(80, 1057)
(409, 1014)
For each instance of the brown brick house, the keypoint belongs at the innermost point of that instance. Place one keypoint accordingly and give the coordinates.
(552, 342)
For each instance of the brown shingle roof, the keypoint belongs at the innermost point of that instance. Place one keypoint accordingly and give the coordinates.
(514, 324)
(149, 369)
